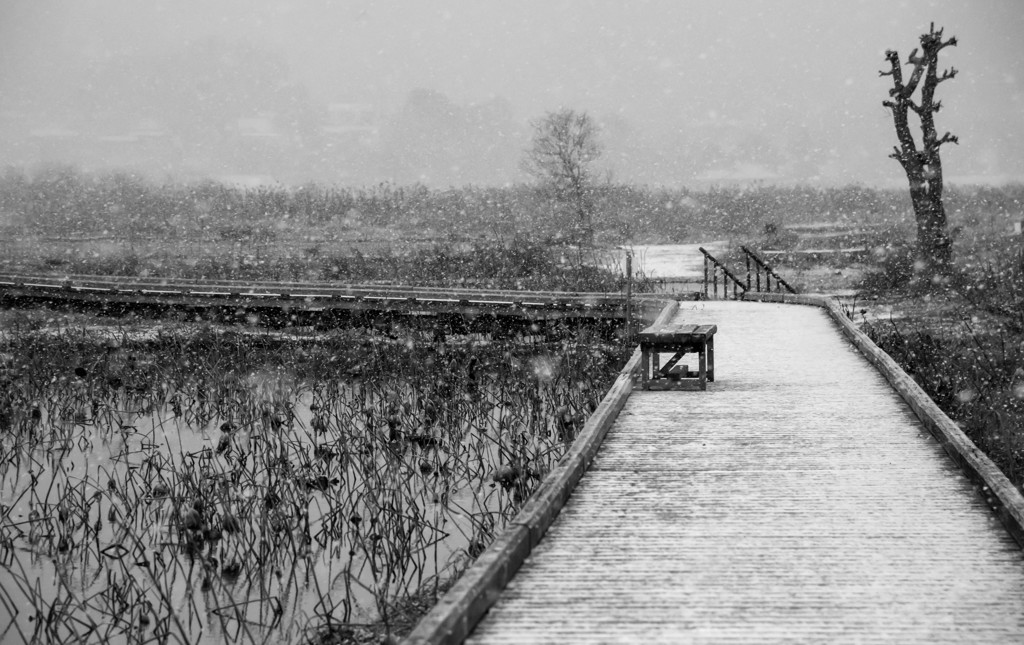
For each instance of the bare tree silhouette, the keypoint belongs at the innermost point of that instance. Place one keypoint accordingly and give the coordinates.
(564, 145)
(922, 165)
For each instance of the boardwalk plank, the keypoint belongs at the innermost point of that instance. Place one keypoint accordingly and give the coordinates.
(797, 500)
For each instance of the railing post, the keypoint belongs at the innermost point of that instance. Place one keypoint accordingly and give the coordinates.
(705, 277)
(747, 255)
(713, 265)
(768, 273)
(629, 298)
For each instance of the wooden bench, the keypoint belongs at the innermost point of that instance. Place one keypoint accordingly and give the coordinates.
(678, 340)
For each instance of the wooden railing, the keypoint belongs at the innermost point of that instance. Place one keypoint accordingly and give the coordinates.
(760, 265)
(711, 269)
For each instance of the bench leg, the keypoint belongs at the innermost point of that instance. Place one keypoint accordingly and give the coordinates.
(645, 365)
(711, 359)
(703, 369)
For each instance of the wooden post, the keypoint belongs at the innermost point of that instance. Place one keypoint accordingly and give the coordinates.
(705, 277)
(645, 366)
(748, 270)
(629, 297)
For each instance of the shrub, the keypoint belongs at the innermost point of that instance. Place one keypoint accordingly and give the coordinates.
(973, 376)
(893, 270)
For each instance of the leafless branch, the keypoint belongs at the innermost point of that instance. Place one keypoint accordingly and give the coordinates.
(922, 165)
(919, 63)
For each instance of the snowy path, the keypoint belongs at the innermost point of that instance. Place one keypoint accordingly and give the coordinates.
(797, 500)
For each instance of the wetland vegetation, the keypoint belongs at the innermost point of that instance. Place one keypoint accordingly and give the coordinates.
(228, 485)
(167, 481)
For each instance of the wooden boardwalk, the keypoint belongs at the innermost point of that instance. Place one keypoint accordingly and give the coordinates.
(308, 296)
(798, 499)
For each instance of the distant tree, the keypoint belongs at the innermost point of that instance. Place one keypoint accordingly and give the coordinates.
(560, 156)
(922, 164)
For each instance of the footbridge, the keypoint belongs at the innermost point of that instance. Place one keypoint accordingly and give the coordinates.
(812, 493)
(315, 302)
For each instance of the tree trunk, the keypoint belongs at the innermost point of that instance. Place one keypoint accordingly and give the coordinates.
(923, 166)
(934, 246)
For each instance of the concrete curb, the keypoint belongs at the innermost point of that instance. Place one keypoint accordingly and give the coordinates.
(455, 615)
(1005, 500)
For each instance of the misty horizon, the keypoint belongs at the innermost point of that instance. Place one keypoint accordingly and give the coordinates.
(686, 94)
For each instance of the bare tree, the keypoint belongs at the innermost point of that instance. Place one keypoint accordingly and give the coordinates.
(922, 164)
(564, 145)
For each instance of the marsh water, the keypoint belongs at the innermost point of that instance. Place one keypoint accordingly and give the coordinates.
(146, 497)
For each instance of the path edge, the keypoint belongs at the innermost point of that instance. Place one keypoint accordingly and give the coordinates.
(1002, 497)
(457, 613)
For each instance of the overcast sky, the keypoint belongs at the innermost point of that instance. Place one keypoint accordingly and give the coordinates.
(801, 71)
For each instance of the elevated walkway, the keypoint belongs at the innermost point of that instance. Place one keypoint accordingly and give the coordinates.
(798, 499)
